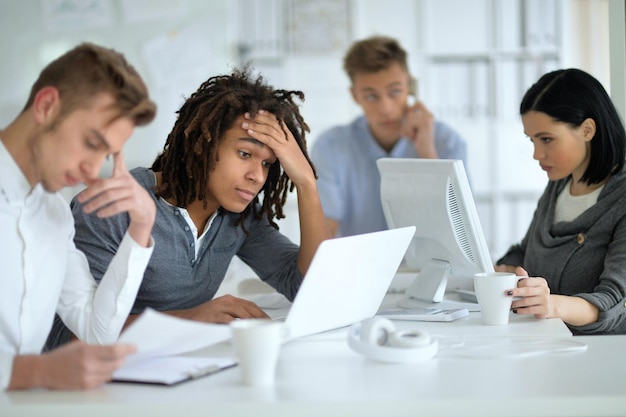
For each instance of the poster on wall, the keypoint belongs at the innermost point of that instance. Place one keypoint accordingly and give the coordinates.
(135, 11)
(318, 26)
(72, 15)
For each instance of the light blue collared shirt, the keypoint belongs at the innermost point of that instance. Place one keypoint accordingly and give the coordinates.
(349, 182)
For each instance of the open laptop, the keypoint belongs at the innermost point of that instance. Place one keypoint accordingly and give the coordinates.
(346, 282)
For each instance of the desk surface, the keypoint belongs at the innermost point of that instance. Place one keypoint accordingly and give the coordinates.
(321, 375)
(470, 327)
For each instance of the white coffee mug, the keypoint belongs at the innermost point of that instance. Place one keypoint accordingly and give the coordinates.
(490, 288)
(257, 345)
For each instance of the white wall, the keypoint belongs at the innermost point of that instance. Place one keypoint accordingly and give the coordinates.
(176, 44)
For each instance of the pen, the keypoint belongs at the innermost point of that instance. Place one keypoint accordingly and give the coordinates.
(200, 372)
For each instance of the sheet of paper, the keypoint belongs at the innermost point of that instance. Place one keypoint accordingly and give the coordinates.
(156, 335)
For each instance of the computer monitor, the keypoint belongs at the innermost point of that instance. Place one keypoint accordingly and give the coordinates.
(434, 195)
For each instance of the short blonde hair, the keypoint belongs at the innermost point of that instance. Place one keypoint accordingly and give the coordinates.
(372, 55)
(88, 70)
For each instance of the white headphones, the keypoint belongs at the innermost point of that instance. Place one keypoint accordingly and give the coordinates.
(378, 339)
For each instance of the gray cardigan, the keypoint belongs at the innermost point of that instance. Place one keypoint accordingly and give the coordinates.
(585, 257)
(174, 278)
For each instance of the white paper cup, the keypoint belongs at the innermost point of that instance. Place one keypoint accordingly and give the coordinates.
(495, 305)
(257, 345)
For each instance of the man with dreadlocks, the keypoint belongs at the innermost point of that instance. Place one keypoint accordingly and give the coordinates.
(237, 148)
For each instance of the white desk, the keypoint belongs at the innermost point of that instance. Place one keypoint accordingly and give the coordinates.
(470, 327)
(321, 376)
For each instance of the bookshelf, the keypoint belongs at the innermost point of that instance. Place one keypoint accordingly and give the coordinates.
(476, 63)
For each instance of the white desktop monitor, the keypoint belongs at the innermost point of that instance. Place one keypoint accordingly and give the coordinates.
(434, 195)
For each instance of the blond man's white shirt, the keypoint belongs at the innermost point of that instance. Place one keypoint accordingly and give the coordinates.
(42, 273)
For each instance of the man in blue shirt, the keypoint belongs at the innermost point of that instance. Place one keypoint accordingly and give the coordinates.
(345, 156)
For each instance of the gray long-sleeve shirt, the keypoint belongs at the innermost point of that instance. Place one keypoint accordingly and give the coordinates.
(175, 278)
(585, 257)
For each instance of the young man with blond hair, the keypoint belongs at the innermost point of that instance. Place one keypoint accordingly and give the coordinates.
(345, 156)
(81, 110)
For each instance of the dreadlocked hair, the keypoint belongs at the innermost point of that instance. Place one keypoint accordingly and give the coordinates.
(190, 151)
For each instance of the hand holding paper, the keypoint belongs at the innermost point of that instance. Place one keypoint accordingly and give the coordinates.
(158, 338)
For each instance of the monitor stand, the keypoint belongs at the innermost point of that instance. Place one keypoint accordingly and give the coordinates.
(430, 283)
(428, 288)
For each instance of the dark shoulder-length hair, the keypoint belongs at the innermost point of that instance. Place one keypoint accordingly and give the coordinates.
(571, 96)
(190, 152)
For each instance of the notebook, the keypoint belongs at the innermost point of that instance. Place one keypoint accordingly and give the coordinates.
(162, 342)
(346, 281)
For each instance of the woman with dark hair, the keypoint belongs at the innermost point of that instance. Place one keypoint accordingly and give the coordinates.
(235, 152)
(574, 252)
